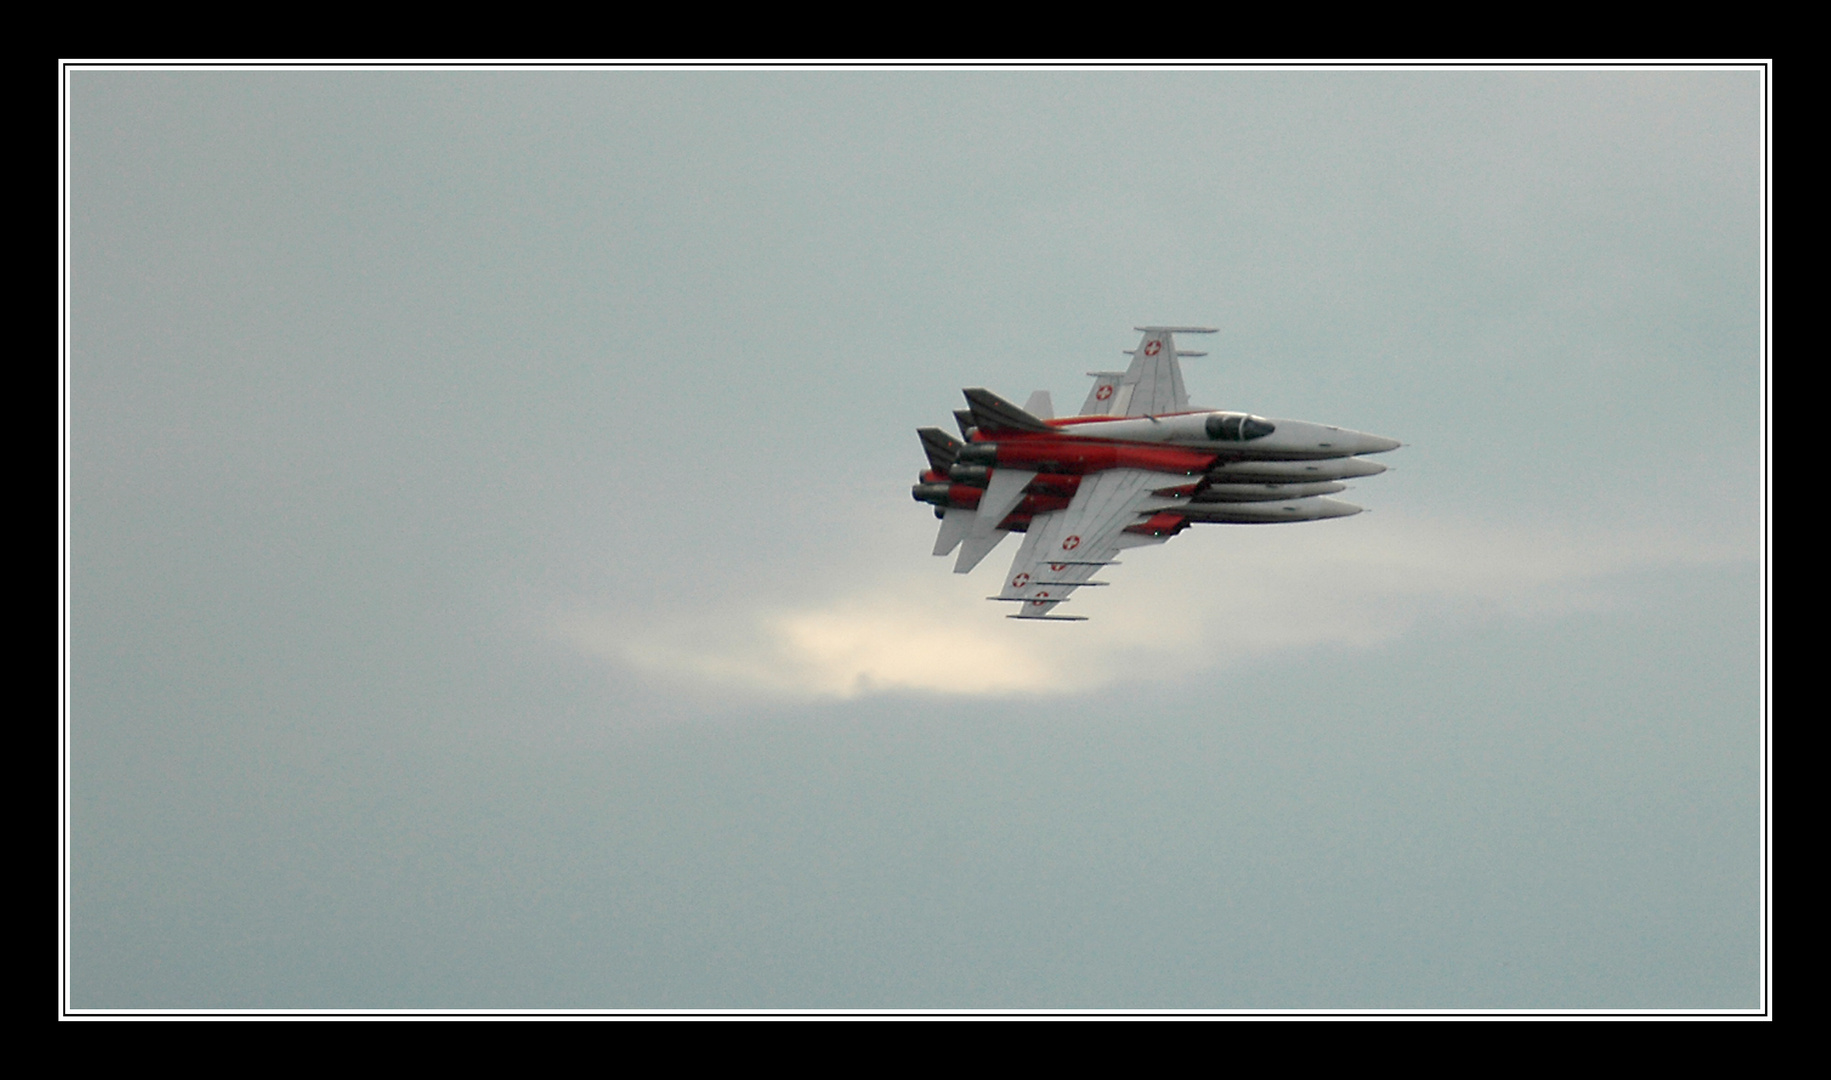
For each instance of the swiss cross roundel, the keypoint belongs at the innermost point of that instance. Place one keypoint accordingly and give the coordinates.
(1038, 602)
(1152, 348)
(1071, 543)
(1058, 567)
(1103, 393)
(1020, 581)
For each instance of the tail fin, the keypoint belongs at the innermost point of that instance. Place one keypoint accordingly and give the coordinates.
(1040, 406)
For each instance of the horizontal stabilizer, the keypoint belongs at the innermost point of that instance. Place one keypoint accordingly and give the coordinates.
(1025, 599)
(955, 524)
(975, 547)
(1076, 584)
(993, 413)
(1177, 329)
(1050, 618)
(1002, 495)
(940, 447)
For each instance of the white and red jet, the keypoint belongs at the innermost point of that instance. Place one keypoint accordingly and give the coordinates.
(1136, 467)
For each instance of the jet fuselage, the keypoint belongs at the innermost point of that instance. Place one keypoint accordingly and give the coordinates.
(1237, 435)
(1138, 466)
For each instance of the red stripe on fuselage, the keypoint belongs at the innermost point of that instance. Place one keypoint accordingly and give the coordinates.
(1045, 453)
(1069, 421)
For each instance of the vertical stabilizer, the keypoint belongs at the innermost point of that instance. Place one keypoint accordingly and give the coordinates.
(1040, 406)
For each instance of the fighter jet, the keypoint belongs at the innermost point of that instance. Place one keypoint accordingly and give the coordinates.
(1136, 467)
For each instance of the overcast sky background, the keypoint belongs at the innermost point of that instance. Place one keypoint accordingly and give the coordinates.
(494, 582)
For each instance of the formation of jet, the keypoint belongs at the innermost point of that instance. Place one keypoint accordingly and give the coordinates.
(1136, 467)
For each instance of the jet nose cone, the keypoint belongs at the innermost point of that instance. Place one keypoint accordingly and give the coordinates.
(1376, 444)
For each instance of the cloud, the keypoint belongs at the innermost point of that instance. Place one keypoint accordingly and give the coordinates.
(1214, 597)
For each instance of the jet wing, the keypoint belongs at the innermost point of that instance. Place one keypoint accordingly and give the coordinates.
(1063, 550)
(1100, 399)
(1154, 382)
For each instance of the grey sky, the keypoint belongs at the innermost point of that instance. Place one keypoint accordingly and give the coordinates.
(494, 581)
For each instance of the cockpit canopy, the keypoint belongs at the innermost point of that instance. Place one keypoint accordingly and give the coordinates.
(1237, 428)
